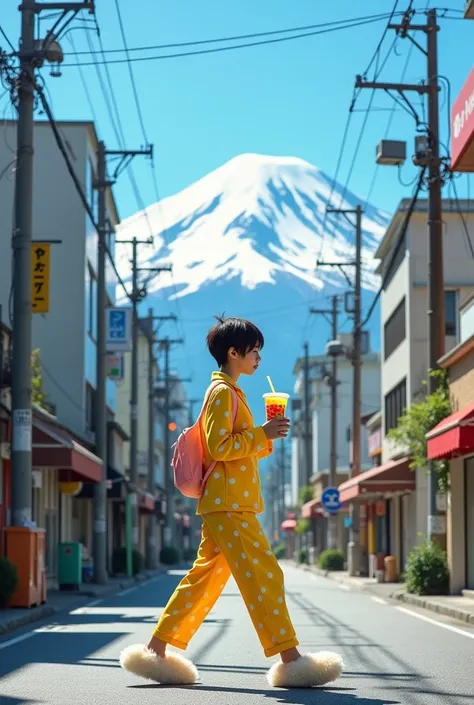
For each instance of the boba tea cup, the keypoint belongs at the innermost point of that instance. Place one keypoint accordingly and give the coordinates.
(275, 405)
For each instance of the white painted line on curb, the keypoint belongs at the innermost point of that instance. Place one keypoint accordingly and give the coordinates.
(379, 600)
(16, 640)
(449, 627)
(125, 592)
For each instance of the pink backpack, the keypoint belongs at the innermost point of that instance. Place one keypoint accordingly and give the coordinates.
(188, 456)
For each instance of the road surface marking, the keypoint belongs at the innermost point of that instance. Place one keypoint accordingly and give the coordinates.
(343, 587)
(94, 603)
(379, 600)
(16, 640)
(125, 592)
(449, 627)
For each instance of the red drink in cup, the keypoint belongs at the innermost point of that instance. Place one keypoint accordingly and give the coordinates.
(275, 405)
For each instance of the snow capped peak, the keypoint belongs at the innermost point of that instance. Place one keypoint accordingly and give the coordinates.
(256, 219)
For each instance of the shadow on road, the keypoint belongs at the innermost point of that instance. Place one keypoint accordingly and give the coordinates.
(295, 696)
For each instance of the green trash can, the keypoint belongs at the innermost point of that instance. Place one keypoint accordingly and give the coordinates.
(70, 566)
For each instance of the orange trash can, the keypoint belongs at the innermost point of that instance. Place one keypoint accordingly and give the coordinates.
(26, 550)
(390, 569)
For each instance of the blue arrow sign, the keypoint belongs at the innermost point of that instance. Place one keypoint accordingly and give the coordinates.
(330, 499)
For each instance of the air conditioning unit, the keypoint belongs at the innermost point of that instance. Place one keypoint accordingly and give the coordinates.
(469, 10)
(391, 153)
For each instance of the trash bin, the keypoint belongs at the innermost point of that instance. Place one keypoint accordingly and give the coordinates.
(69, 566)
(390, 569)
(26, 550)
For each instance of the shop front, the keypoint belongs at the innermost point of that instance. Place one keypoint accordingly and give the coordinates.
(380, 493)
(452, 440)
(61, 468)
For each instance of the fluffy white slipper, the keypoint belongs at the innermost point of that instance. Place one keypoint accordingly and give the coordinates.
(308, 671)
(170, 670)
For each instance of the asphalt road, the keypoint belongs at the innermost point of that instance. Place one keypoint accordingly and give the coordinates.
(392, 654)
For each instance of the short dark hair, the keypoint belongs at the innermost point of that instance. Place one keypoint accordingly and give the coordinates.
(235, 333)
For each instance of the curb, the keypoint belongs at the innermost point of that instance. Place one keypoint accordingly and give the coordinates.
(432, 606)
(39, 613)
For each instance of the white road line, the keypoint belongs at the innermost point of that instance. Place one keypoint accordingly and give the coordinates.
(125, 592)
(94, 603)
(343, 587)
(16, 640)
(449, 627)
(379, 600)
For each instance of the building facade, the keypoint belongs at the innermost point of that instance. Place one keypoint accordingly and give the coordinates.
(404, 364)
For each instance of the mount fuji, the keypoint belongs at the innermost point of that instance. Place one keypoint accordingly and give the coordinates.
(245, 239)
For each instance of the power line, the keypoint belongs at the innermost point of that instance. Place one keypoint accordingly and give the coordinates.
(238, 37)
(77, 184)
(130, 71)
(215, 50)
(4, 35)
(398, 244)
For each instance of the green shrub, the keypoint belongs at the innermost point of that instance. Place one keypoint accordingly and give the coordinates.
(332, 559)
(279, 551)
(8, 580)
(427, 570)
(119, 561)
(303, 555)
(169, 555)
(189, 555)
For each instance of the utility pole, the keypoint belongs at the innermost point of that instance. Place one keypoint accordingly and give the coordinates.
(102, 185)
(333, 382)
(21, 277)
(354, 551)
(307, 418)
(166, 344)
(151, 557)
(191, 403)
(151, 549)
(436, 317)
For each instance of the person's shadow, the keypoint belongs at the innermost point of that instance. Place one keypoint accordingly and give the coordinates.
(295, 696)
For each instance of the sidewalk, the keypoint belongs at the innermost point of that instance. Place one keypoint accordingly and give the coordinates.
(454, 606)
(14, 617)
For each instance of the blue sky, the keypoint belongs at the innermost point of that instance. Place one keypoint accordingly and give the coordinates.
(285, 99)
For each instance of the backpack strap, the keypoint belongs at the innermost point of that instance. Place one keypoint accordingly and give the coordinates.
(235, 405)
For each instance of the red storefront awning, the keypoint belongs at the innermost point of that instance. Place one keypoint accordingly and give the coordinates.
(288, 525)
(146, 502)
(53, 447)
(394, 476)
(310, 509)
(462, 128)
(453, 436)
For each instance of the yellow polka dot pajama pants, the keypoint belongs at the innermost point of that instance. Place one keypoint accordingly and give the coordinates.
(232, 543)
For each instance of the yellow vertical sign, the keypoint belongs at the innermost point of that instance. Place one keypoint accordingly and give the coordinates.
(40, 276)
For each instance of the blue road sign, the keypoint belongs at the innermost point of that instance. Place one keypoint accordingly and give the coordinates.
(118, 336)
(330, 499)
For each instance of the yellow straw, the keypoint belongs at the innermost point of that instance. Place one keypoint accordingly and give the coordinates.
(271, 384)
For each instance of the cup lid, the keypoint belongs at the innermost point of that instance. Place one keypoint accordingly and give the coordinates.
(276, 395)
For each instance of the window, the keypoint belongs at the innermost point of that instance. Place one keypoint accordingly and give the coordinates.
(90, 408)
(399, 257)
(91, 303)
(394, 330)
(395, 405)
(450, 313)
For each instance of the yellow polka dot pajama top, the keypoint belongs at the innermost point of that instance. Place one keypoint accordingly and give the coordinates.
(232, 541)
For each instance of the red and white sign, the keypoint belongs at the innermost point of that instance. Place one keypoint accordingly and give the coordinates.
(462, 128)
(375, 442)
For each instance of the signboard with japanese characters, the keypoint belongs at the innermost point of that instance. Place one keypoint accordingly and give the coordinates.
(40, 276)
